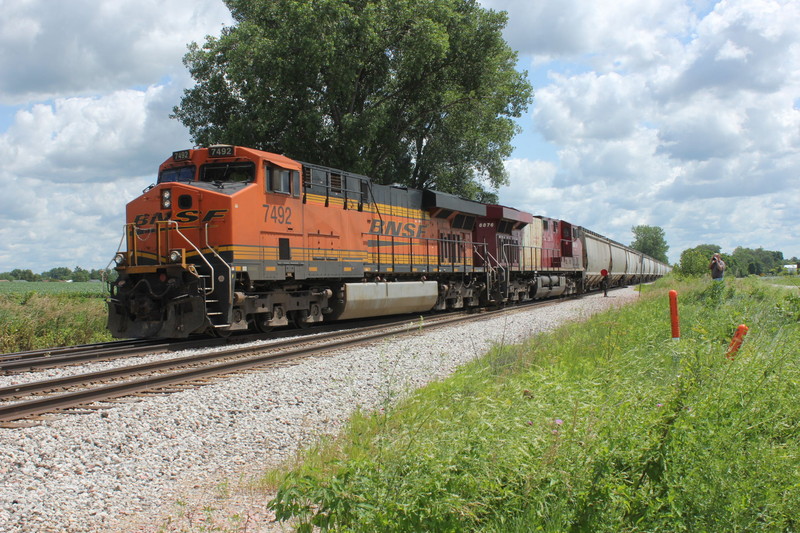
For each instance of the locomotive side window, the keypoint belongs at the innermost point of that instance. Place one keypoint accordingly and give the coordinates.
(505, 226)
(180, 174)
(279, 180)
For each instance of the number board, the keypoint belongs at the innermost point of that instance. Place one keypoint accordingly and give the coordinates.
(220, 151)
(183, 155)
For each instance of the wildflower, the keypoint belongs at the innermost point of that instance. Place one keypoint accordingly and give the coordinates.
(558, 421)
(659, 405)
(530, 422)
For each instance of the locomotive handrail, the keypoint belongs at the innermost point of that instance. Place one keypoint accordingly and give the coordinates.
(230, 271)
(196, 249)
(463, 261)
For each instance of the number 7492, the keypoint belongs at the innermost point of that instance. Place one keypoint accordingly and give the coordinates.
(278, 214)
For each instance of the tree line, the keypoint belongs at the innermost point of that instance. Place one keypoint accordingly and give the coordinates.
(742, 262)
(55, 274)
(695, 261)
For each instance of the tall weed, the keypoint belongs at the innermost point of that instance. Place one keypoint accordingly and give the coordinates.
(30, 321)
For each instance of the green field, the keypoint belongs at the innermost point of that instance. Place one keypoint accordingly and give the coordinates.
(38, 315)
(603, 426)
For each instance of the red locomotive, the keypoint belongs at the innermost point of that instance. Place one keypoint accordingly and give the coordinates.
(232, 238)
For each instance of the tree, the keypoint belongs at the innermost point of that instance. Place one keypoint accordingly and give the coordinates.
(746, 261)
(24, 275)
(695, 261)
(80, 274)
(405, 91)
(650, 240)
(58, 273)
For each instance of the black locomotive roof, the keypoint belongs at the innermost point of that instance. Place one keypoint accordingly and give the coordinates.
(440, 200)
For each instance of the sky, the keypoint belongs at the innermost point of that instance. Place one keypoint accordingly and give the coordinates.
(682, 114)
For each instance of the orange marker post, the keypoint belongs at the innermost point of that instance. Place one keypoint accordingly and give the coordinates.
(673, 311)
(736, 342)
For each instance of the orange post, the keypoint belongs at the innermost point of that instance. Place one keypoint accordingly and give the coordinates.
(736, 342)
(673, 311)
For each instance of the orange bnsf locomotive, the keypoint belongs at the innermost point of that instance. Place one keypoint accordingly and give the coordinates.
(232, 238)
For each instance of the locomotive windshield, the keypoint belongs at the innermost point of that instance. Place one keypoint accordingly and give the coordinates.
(228, 172)
(181, 174)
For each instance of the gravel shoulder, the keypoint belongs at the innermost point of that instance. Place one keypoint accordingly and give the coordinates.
(185, 461)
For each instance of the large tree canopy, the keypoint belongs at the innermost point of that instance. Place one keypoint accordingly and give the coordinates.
(650, 240)
(419, 92)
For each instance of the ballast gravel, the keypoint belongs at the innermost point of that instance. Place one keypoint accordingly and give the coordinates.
(183, 461)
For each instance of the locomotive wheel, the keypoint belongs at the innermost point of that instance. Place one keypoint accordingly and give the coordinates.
(261, 322)
(299, 319)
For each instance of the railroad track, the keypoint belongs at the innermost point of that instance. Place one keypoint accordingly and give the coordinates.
(59, 357)
(154, 376)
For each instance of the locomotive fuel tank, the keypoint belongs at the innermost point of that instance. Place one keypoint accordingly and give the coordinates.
(361, 300)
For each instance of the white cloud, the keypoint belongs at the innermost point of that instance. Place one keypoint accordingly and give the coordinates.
(639, 33)
(52, 48)
(86, 139)
(45, 224)
(94, 84)
(661, 115)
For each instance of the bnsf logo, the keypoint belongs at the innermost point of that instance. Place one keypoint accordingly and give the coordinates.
(190, 215)
(397, 229)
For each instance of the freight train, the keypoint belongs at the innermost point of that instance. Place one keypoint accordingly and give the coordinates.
(231, 238)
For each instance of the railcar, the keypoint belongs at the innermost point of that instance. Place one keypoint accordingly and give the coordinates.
(231, 238)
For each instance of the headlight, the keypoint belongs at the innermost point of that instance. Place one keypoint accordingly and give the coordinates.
(166, 198)
(176, 256)
(119, 259)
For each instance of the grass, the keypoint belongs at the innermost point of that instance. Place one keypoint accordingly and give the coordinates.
(607, 425)
(789, 281)
(44, 315)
